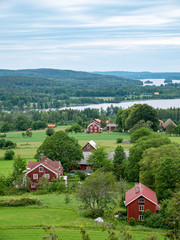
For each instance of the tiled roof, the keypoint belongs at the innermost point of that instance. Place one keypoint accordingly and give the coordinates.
(52, 165)
(144, 191)
(169, 121)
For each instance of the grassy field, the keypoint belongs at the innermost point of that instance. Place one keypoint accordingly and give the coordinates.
(28, 222)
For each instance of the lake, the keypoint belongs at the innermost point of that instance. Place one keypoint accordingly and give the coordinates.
(161, 103)
(156, 82)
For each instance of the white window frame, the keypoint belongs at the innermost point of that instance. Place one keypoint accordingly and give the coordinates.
(141, 217)
(47, 175)
(33, 185)
(141, 208)
(35, 176)
(41, 169)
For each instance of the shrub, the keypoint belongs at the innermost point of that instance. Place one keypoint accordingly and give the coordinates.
(81, 174)
(119, 140)
(2, 135)
(9, 154)
(20, 202)
(50, 131)
(132, 221)
(154, 221)
(141, 132)
(93, 213)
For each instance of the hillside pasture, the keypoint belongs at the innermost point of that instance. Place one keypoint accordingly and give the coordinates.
(26, 223)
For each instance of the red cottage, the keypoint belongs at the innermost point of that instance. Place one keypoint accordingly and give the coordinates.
(138, 200)
(50, 169)
(51, 125)
(111, 127)
(93, 127)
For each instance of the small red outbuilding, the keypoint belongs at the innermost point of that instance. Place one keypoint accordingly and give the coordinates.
(139, 199)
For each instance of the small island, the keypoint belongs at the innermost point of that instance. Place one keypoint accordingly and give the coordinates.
(148, 82)
(167, 81)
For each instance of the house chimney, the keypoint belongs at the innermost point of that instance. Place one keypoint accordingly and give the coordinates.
(136, 188)
(41, 156)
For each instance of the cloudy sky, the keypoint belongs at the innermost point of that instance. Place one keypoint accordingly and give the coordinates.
(90, 35)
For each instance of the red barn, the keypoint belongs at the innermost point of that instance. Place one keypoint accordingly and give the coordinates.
(90, 146)
(50, 169)
(138, 200)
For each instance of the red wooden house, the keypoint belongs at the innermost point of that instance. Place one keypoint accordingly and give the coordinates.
(138, 200)
(94, 127)
(51, 125)
(111, 127)
(50, 169)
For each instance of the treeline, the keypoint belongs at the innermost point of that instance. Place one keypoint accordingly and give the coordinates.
(21, 121)
(49, 88)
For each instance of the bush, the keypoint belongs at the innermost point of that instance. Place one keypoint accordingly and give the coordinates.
(132, 221)
(20, 202)
(81, 174)
(93, 213)
(119, 140)
(154, 221)
(2, 135)
(141, 132)
(9, 154)
(50, 131)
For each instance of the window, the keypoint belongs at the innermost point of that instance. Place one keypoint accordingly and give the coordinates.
(88, 146)
(141, 217)
(95, 127)
(35, 176)
(141, 208)
(47, 175)
(141, 200)
(41, 169)
(33, 185)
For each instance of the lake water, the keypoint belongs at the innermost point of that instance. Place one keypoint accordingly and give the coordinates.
(157, 82)
(162, 103)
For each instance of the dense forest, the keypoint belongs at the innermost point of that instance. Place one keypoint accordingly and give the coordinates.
(49, 88)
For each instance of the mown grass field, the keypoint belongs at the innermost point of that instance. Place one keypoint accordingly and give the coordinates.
(28, 222)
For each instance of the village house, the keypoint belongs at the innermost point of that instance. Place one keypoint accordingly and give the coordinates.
(46, 167)
(111, 127)
(167, 123)
(94, 126)
(51, 125)
(139, 199)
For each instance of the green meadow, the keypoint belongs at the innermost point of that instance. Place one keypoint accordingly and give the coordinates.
(28, 222)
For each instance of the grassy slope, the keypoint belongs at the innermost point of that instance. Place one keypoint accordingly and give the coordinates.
(27, 222)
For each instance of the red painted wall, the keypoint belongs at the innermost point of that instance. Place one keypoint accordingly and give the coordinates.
(133, 208)
(87, 148)
(40, 174)
(93, 128)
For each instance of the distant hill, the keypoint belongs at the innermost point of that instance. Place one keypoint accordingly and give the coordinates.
(69, 76)
(143, 75)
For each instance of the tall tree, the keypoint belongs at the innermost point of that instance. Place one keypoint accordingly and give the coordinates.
(61, 147)
(119, 157)
(99, 159)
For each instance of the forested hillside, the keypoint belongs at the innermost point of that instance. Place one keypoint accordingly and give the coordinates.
(143, 75)
(50, 88)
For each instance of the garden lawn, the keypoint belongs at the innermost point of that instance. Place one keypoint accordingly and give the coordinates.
(26, 223)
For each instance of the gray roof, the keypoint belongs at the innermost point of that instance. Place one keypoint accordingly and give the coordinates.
(169, 121)
(110, 156)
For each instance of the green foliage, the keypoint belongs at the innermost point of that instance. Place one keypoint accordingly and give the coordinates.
(81, 174)
(119, 118)
(119, 157)
(143, 112)
(52, 234)
(19, 202)
(159, 168)
(38, 125)
(9, 154)
(119, 140)
(61, 147)
(97, 191)
(132, 221)
(171, 129)
(140, 133)
(177, 130)
(7, 144)
(136, 152)
(141, 124)
(84, 234)
(50, 131)
(19, 165)
(2, 135)
(74, 128)
(99, 160)
(28, 133)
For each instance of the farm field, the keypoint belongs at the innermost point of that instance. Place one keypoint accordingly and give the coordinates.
(27, 223)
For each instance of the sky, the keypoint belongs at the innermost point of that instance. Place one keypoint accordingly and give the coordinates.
(90, 35)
